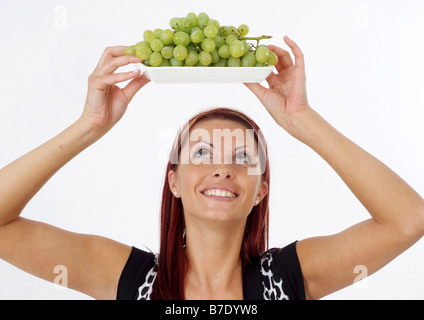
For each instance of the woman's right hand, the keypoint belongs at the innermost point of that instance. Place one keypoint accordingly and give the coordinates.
(106, 103)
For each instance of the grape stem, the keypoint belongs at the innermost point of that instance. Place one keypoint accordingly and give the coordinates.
(256, 38)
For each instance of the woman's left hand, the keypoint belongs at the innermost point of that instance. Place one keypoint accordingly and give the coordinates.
(286, 95)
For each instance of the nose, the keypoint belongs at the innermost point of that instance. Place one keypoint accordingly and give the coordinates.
(223, 171)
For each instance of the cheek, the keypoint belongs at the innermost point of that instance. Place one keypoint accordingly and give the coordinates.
(253, 184)
(188, 177)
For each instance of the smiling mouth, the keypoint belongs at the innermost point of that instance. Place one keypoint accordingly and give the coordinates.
(218, 193)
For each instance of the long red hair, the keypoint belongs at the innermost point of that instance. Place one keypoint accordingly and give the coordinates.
(172, 264)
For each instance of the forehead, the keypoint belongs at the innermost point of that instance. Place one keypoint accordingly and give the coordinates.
(207, 130)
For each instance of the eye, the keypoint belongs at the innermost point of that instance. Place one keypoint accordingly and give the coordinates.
(243, 157)
(202, 153)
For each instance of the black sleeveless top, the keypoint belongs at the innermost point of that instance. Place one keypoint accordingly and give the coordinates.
(275, 276)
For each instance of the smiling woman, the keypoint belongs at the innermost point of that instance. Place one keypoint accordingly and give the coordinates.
(220, 199)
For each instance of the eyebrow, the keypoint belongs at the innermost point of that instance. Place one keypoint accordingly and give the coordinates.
(243, 147)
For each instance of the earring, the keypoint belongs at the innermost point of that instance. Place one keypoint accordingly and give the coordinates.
(175, 193)
(257, 201)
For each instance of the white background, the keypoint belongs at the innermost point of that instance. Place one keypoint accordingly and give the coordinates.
(365, 72)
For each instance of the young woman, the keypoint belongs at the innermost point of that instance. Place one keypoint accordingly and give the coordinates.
(214, 219)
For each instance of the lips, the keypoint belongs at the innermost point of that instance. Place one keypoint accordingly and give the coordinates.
(220, 191)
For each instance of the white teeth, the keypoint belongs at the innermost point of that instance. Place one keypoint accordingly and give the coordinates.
(219, 193)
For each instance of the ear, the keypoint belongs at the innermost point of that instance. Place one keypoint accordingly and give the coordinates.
(172, 181)
(262, 191)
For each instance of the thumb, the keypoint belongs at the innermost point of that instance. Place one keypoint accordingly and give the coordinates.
(257, 89)
(135, 84)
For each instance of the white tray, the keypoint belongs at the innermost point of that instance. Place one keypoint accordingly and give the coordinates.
(205, 74)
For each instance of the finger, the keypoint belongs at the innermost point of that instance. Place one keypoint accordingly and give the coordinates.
(101, 81)
(111, 52)
(257, 89)
(113, 64)
(284, 59)
(269, 78)
(298, 54)
(136, 84)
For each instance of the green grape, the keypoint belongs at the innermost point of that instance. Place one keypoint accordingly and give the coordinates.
(221, 63)
(215, 56)
(260, 64)
(191, 48)
(142, 44)
(248, 60)
(143, 53)
(167, 52)
(219, 41)
(245, 47)
(210, 31)
(146, 63)
(232, 30)
(262, 54)
(208, 45)
(155, 59)
(192, 58)
(176, 63)
(236, 48)
(181, 38)
(166, 36)
(215, 23)
(156, 45)
(149, 36)
(230, 39)
(234, 62)
(192, 20)
(173, 23)
(197, 36)
(205, 58)
(157, 32)
(183, 25)
(243, 30)
(224, 52)
(202, 20)
(165, 63)
(180, 52)
(224, 31)
(130, 50)
(272, 59)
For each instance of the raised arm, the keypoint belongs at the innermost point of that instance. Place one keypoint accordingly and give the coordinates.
(93, 263)
(397, 211)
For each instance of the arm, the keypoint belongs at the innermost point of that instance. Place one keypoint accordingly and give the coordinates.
(93, 263)
(397, 211)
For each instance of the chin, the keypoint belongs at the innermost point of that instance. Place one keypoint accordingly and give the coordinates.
(224, 216)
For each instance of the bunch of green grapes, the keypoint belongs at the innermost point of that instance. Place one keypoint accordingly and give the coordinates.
(197, 40)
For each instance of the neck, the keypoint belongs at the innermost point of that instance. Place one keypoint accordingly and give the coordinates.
(215, 266)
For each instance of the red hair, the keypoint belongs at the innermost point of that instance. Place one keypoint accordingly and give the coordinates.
(172, 263)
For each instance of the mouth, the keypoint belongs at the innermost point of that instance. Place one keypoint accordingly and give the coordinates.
(220, 193)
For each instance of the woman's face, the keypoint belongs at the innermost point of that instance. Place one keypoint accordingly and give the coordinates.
(217, 180)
